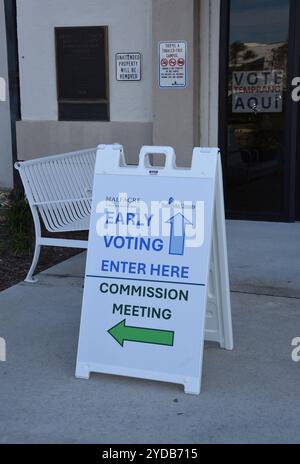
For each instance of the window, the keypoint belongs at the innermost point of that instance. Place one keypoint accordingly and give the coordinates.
(256, 111)
(82, 73)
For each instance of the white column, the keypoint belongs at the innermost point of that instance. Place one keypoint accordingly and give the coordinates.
(209, 65)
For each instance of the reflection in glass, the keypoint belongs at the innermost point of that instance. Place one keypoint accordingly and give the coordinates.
(257, 94)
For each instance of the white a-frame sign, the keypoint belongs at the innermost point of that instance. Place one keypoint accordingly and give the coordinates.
(156, 283)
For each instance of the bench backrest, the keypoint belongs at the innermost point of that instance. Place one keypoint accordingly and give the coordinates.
(60, 187)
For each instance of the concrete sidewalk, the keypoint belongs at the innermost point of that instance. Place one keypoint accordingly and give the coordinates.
(250, 395)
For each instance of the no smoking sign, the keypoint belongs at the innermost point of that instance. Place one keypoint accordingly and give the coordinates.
(172, 64)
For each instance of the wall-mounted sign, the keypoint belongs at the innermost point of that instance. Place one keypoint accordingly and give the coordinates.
(156, 244)
(257, 91)
(129, 66)
(172, 66)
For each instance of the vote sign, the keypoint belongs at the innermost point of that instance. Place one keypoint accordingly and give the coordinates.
(147, 272)
(257, 91)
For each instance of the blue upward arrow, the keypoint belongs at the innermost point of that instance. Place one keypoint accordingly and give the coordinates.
(177, 235)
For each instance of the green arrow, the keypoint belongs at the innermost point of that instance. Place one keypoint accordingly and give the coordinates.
(121, 333)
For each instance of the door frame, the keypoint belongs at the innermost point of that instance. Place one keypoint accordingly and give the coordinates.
(10, 11)
(292, 134)
(295, 107)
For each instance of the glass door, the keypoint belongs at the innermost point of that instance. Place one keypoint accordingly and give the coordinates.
(254, 102)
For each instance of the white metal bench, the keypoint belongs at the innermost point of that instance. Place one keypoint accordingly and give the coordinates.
(59, 191)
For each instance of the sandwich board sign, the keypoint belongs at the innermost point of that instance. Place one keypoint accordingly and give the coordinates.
(156, 283)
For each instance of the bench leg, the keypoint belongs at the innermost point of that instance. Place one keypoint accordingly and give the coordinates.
(29, 278)
(37, 226)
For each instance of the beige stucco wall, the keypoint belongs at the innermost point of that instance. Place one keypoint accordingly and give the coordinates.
(129, 29)
(183, 118)
(176, 110)
(39, 138)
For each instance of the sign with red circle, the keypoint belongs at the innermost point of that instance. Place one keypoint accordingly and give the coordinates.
(172, 64)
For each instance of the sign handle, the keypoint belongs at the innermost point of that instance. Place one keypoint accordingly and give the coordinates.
(168, 152)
